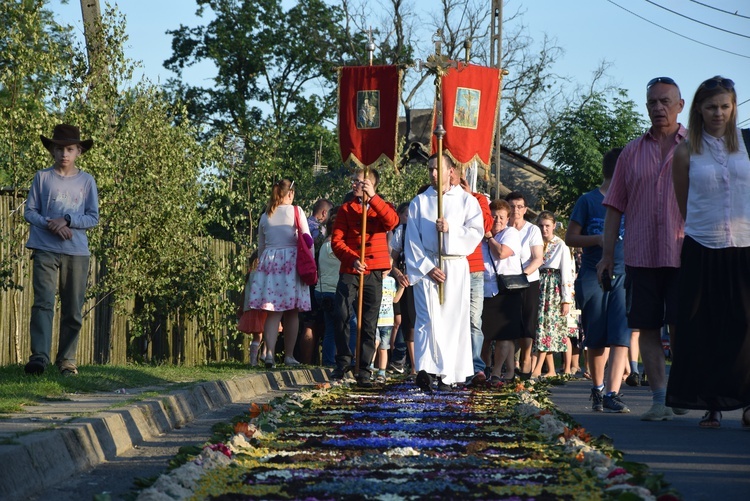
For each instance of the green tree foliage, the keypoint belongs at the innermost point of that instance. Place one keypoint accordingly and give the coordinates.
(273, 95)
(270, 62)
(580, 140)
(36, 54)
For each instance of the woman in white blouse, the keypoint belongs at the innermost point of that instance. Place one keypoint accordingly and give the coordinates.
(711, 174)
(556, 275)
(501, 312)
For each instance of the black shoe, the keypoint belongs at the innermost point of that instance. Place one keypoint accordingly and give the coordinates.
(633, 379)
(35, 367)
(441, 386)
(597, 398)
(644, 380)
(424, 381)
(364, 382)
(339, 373)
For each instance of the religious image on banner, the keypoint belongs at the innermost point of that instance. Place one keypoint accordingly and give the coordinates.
(470, 106)
(369, 97)
(466, 112)
(368, 106)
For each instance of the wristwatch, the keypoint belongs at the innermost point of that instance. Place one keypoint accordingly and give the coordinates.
(67, 219)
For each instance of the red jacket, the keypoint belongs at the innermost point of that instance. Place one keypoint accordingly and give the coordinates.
(476, 261)
(346, 237)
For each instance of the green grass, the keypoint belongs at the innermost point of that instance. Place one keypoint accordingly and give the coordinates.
(18, 389)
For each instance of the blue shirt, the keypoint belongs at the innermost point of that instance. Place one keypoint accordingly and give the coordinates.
(589, 213)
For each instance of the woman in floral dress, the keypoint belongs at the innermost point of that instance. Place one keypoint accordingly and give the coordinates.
(555, 296)
(277, 287)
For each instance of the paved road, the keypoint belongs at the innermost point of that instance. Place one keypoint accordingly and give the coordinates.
(702, 464)
(99, 443)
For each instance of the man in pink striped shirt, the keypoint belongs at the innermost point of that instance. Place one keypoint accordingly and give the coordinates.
(642, 190)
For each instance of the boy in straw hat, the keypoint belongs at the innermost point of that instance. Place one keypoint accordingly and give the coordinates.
(63, 203)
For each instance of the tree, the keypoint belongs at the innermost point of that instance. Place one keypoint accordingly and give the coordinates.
(272, 96)
(579, 141)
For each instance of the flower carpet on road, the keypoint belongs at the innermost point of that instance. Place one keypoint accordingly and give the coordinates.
(398, 442)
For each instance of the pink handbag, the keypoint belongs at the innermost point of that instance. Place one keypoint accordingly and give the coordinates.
(306, 267)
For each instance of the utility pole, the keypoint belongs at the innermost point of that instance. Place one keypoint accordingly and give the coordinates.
(92, 30)
(496, 57)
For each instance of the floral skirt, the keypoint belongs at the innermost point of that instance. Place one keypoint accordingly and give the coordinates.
(553, 325)
(276, 284)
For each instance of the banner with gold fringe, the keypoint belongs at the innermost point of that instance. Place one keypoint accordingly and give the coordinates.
(471, 99)
(368, 113)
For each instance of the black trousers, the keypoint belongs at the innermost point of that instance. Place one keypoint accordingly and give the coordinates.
(345, 305)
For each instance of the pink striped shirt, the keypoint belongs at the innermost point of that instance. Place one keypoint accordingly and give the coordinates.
(642, 189)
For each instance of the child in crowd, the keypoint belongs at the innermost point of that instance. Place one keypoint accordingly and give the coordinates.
(251, 322)
(392, 292)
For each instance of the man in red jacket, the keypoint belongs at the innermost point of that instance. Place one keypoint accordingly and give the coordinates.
(346, 241)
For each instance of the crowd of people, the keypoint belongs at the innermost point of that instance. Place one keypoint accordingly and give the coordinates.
(473, 293)
(434, 290)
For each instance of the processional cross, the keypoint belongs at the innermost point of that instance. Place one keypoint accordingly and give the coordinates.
(438, 65)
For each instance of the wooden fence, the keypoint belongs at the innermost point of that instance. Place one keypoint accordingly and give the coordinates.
(107, 334)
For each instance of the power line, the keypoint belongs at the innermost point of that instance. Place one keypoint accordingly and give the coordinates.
(736, 13)
(678, 34)
(696, 21)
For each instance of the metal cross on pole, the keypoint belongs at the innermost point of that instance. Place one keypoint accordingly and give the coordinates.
(438, 65)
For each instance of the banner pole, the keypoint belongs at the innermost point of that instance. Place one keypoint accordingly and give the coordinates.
(358, 351)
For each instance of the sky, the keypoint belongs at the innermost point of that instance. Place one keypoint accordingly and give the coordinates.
(640, 43)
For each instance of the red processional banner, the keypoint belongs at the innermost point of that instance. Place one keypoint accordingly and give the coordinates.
(470, 107)
(368, 113)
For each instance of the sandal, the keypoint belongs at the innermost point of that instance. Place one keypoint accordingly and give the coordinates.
(711, 419)
(746, 418)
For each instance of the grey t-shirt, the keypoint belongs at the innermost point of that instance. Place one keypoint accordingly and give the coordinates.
(52, 196)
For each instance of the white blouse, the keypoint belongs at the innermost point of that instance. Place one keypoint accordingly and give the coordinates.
(557, 257)
(718, 205)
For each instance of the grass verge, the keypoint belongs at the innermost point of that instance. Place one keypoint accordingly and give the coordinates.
(19, 389)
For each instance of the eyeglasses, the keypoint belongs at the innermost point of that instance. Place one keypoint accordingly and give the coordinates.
(712, 83)
(517, 207)
(664, 80)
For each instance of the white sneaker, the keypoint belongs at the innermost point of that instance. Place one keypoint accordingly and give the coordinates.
(658, 412)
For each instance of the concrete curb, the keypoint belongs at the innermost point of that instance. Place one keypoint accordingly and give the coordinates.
(39, 460)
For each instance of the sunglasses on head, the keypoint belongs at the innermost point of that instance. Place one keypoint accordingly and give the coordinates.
(712, 83)
(664, 80)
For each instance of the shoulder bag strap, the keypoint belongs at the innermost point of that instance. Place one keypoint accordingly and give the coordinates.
(492, 259)
(296, 220)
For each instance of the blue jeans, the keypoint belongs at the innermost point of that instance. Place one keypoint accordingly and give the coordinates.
(325, 301)
(475, 317)
(71, 272)
(399, 352)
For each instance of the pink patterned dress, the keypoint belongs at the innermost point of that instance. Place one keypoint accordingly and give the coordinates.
(276, 284)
